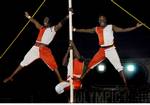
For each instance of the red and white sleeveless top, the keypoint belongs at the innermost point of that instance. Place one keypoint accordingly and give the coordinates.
(105, 35)
(78, 67)
(46, 35)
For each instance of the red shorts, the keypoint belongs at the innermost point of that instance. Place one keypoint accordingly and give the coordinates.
(43, 53)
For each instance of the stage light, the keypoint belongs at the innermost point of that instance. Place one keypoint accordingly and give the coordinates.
(130, 67)
(101, 67)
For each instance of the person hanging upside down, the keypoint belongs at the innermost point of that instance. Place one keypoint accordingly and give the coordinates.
(79, 68)
(105, 34)
(40, 48)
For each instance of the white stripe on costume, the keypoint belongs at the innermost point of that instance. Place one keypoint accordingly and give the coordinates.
(108, 35)
(31, 56)
(48, 35)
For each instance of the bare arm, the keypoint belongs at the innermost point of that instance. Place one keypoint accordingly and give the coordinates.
(61, 23)
(65, 59)
(35, 22)
(91, 30)
(76, 52)
(118, 29)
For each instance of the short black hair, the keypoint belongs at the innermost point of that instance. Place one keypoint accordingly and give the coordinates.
(102, 14)
(50, 22)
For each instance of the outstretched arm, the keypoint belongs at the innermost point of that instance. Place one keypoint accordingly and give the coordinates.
(118, 29)
(91, 30)
(61, 23)
(35, 22)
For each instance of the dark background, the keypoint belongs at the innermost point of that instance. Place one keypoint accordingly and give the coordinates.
(36, 81)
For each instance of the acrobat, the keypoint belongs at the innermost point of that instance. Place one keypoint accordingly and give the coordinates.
(40, 48)
(105, 34)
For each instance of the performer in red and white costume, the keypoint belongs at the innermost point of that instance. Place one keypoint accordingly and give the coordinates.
(40, 49)
(107, 48)
(79, 68)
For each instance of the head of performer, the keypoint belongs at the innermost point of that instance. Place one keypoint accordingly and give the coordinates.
(102, 21)
(46, 22)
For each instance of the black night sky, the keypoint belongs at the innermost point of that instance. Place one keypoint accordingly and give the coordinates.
(37, 81)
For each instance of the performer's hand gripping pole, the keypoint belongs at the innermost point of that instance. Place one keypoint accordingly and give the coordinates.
(71, 52)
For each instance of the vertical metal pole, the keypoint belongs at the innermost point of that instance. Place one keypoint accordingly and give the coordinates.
(71, 53)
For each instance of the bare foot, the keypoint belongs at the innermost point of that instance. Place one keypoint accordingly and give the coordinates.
(8, 79)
